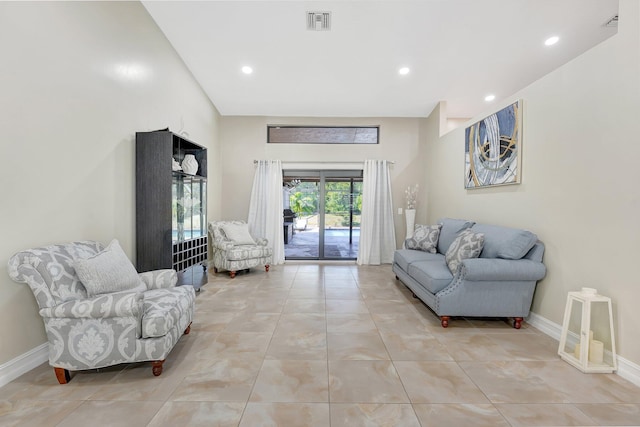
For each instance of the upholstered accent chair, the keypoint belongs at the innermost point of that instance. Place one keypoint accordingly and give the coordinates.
(235, 249)
(113, 315)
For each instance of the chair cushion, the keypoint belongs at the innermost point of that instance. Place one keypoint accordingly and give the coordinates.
(505, 242)
(108, 271)
(449, 231)
(467, 245)
(163, 309)
(433, 275)
(238, 234)
(242, 252)
(425, 238)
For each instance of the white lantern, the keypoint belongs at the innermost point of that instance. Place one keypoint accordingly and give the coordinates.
(587, 339)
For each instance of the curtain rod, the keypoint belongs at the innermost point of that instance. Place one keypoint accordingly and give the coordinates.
(255, 162)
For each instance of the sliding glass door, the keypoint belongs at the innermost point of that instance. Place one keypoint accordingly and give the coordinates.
(342, 204)
(322, 214)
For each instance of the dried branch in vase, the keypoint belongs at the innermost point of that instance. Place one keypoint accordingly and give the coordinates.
(411, 194)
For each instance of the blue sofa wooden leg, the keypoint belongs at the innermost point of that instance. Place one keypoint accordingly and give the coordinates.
(517, 322)
(444, 321)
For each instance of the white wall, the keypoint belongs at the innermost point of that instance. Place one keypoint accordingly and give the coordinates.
(579, 188)
(244, 139)
(78, 80)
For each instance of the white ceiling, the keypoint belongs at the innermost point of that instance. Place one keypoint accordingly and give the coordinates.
(458, 51)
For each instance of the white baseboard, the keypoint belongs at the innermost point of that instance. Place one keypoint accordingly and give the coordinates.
(24, 363)
(544, 325)
(626, 368)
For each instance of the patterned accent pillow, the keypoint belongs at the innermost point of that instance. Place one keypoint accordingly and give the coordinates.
(467, 245)
(238, 234)
(425, 238)
(108, 271)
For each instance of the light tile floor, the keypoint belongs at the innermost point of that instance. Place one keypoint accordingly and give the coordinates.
(330, 345)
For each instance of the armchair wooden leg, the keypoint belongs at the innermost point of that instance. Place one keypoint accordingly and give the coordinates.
(186, 331)
(266, 268)
(62, 375)
(444, 321)
(232, 274)
(517, 322)
(215, 270)
(156, 367)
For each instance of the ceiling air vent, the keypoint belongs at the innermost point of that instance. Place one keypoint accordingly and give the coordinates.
(318, 21)
(613, 22)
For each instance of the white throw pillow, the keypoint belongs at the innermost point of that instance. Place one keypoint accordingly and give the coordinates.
(238, 234)
(108, 271)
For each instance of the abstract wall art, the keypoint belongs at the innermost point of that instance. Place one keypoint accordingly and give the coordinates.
(493, 148)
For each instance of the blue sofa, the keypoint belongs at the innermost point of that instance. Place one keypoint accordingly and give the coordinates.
(498, 283)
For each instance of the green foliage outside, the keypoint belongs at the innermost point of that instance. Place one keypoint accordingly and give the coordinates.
(304, 202)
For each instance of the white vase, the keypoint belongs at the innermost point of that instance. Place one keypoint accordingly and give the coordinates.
(410, 216)
(190, 164)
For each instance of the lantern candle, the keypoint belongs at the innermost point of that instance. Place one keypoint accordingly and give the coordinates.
(596, 351)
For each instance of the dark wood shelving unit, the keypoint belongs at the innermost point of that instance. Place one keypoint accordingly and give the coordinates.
(171, 206)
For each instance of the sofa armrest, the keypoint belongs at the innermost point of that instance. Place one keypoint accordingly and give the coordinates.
(117, 304)
(158, 279)
(261, 241)
(496, 269)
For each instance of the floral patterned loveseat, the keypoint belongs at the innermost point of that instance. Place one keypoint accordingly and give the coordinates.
(87, 330)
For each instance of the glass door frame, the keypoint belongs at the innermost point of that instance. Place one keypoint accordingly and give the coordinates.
(348, 175)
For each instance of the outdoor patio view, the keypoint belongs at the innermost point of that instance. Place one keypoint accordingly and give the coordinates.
(327, 213)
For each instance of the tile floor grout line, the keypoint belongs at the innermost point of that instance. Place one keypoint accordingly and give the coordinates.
(326, 334)
(264, 357)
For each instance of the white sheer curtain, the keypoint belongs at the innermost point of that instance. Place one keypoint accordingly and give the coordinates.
(377, 231)
(265, 208)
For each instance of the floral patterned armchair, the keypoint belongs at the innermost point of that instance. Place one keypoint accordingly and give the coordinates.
(234, 249)
(89, 331)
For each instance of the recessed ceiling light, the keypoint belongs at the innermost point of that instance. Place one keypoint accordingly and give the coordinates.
(489, 98)
(551, 41)
(247, 70)
(404, 71)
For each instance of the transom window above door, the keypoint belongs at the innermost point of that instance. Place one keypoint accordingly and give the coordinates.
(323, 134)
